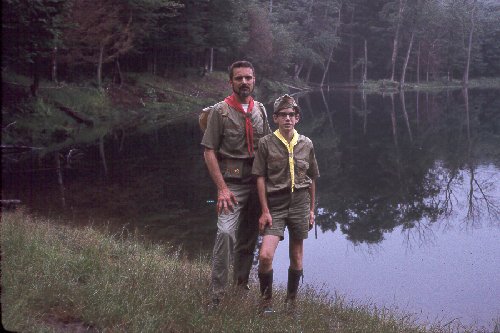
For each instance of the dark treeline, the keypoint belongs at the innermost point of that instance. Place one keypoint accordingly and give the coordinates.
(315, 41)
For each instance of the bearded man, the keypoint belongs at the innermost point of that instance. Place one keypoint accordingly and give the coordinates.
(234, 128)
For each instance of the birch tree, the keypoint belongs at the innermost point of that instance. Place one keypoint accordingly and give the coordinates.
(395, 44)
(469, 45)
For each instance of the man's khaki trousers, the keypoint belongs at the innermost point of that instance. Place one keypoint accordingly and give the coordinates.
(236, 238)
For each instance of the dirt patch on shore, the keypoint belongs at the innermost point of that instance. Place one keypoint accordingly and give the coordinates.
(63, 322)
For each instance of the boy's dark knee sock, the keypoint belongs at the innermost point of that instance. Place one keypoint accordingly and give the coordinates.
(266, 284)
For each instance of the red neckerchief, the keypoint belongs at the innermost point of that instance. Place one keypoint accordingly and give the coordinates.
(233, 102)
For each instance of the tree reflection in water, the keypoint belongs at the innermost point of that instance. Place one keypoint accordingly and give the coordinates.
(439, 165)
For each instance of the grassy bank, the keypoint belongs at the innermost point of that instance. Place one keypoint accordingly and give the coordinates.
(57, 278)
(141, 102)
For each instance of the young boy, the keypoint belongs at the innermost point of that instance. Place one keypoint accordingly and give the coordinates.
(286, 171)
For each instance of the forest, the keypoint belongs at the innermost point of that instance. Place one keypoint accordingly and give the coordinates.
(318, 42)
(100, 106)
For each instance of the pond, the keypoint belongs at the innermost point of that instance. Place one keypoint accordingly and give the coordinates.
(408, 199)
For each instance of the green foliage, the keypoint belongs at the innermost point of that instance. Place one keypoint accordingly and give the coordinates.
(149, 16)
(147, 99)
(283, 39)
(304, 33)
(224, 24)
(30, 29)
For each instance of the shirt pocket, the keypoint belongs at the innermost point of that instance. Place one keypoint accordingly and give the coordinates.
(277, 164)
(258, 125)
(234, 136)
(301, 169)
(258, 129)
(278, 171)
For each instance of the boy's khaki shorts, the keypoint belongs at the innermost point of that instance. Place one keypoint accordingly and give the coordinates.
(291, 210)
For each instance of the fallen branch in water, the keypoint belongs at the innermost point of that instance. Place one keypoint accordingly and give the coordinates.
(73, 114)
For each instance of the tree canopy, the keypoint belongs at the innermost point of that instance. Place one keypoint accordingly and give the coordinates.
(317, 41)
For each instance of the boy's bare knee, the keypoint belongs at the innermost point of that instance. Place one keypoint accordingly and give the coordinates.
(266, 258)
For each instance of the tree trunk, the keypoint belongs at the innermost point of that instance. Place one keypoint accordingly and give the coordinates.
(155, 62)
(327, 67)
(365, 65)
(99, 66)
(417, 109)
(405, 114)
(298, 69)
(211, 69)
(396, 38)
(465, 92)
(118, 69)
(328, 114)
(365, 111)
(75, 115)
(103, 156)
(469, 48)
(428, 66)
(393, 121)
(351, 50)
(54, 64)
(351, 61)
(60, 179)
(35, 72)
(405, 65)
(331, 52)
(351, 115)
(418, 63)
(308, 75)
(122, 140)
(270, 7)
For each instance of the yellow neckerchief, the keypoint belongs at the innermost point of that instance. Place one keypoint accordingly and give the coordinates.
(289, 147)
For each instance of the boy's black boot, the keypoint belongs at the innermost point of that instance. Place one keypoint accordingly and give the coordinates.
(292, 287)
(266, 291)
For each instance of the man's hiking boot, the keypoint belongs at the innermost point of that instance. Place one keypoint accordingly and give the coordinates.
(242, 284)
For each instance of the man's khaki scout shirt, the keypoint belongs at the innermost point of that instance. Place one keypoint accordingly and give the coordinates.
(271, 161)
(226, 134)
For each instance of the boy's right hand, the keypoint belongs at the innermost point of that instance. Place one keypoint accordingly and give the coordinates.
(264, 220)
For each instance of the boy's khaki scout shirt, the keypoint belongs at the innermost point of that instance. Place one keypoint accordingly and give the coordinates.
(271, 161)
(226, 134)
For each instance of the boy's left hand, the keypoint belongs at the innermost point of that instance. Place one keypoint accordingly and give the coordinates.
(311, 219)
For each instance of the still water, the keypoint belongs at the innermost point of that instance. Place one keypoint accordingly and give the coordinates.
(408, 199)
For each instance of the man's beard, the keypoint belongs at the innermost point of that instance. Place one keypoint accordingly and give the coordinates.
(243, 93)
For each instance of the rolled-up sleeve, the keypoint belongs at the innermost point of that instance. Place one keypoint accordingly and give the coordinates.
(259, 163)
(213, 134)
(313, 171)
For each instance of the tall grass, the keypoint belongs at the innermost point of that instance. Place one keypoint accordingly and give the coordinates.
(58, 278)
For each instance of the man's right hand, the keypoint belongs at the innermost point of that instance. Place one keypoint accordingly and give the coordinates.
(225, 201)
